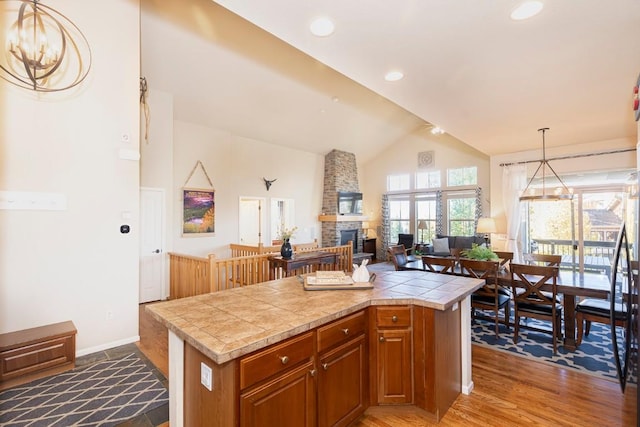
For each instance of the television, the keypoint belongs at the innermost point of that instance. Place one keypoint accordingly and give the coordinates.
(349, 203)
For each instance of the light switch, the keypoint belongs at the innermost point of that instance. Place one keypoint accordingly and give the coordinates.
(206, 376)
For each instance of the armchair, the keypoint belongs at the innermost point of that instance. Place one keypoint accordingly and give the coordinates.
(407, 241)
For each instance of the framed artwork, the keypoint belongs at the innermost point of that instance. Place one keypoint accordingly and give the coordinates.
(198, 212)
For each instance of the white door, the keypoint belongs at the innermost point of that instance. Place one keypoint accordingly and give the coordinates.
(250, 220)
(152, 257)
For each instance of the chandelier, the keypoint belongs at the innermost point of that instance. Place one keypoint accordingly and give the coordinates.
(44, 50)
(559, 192)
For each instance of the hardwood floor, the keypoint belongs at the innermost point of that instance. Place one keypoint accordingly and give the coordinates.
(509, 391)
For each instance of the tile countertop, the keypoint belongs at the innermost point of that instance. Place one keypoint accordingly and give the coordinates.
(228, 324)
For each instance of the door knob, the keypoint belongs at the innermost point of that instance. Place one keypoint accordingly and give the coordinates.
(157, 251)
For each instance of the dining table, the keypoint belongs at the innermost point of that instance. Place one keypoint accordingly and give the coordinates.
(572, 285)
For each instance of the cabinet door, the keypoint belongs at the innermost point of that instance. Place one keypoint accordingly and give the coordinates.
(288, 400)
(342, 385)
(394, 366)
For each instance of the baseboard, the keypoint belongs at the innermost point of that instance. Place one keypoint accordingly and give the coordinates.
(107, 346)
(467, 389)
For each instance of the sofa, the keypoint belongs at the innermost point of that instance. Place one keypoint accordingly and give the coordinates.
(442, 245)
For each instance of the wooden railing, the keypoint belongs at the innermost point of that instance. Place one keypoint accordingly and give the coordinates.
(246, 250)
(188, 275)
(191, 275)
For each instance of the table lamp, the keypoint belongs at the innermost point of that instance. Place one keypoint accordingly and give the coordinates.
(422, 225)
(486, 226)
(365, 229)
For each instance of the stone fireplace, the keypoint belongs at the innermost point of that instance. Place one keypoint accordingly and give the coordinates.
(340, 174)
(347, 236)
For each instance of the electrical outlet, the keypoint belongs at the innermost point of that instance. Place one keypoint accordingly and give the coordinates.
(206, 376)
(109, 315)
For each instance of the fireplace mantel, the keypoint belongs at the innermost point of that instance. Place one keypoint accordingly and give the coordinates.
(342, 218)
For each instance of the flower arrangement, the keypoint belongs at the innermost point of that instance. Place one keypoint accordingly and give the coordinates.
(481, 253)
(286, 233)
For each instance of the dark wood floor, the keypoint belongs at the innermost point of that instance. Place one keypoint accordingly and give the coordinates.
(509, 391)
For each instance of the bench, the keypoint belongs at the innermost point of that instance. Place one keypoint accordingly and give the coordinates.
(38, 352)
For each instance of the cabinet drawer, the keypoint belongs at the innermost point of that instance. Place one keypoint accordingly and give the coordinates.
(263, 364)
(392, 316)
(341, 330)
(36, 357)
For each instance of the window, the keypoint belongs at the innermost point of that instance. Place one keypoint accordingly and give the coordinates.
(428, 179)
(461, 215)
(399, 218)
(398, 182)
(426, 219)
(462, 176)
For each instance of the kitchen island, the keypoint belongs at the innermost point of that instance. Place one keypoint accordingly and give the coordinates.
(275, 354)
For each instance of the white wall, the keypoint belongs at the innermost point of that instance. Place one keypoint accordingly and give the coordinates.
(75, 264)
(236, 166)
(402, 157)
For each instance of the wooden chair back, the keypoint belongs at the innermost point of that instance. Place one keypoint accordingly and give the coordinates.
(506, 258)
(489, 296)
(436, 264)
(487, 270)
(530, 279)
(543, 259)
(530, 300)
(398, 256)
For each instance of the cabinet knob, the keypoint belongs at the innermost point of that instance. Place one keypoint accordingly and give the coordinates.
(381, 339)
(394, 319)
(325, 366)
(312, 372)
(346, 331)
(284, 359)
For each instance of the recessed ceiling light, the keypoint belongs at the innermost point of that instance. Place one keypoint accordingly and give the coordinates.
(393, 76)
(526, 10)
(437, 130)
(322, 27)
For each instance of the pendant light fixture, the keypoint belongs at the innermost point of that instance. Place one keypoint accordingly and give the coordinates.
(44, 50)
(559, 192)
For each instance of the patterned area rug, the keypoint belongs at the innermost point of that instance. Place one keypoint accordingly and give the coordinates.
(594, 356)
(103, 394)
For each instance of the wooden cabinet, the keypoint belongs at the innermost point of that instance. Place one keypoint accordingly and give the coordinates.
(37, 352)
(328, 376)
(392, 370)
(278, 386)
(343, 370)
(369, 246)
(288, 400)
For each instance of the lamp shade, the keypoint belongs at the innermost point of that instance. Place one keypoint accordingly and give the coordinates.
(422, 225)
(486, 225)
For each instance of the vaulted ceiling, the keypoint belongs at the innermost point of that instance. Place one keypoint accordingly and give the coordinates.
(487, 80)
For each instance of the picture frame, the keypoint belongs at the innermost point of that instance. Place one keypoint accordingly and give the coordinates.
(198, 212)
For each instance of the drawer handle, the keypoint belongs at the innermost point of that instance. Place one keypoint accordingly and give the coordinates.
(312, 372)
(325, 366)
(284, 359)
(394, 319)
(346, 331)
(381, 339)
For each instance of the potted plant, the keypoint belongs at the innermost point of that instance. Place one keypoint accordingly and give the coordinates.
(480, 253)
(285, 234)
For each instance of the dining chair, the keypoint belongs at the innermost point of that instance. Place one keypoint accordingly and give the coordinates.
(543, 259)
(489, 296)
(506, 258)
(437, 264)
(398, 256)
(530, 300)
(599, 310)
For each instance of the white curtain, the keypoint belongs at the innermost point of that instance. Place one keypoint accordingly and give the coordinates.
(514, 180)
